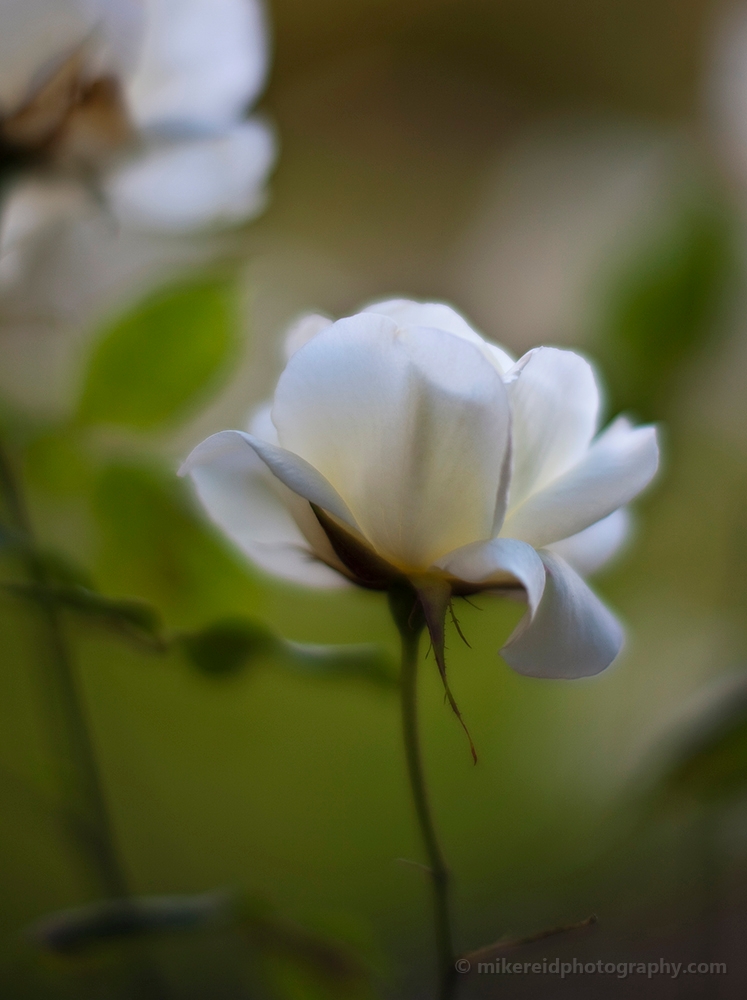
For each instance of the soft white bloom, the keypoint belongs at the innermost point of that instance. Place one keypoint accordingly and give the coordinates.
(401, 444)
(150, 95)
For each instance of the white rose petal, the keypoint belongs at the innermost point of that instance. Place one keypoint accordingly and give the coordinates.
(595, 546)
(571, 634)
(409, 425)
(498, 563)
(440, 316)
(555, 408)
(189, 71)
(618, 465)
(208, 181)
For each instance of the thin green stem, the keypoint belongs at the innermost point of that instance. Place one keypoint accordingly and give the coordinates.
(410, 632)
(91, 821)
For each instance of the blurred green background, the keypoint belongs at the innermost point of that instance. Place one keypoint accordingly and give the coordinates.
(554, 171)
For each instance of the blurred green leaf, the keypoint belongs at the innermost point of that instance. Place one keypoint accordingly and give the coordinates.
(224, 647)
(709, 757)
(304, 977)
(153, 544)
(156, 362)
(81, 928)
(228, 646)
(665, 304)
(320, 965)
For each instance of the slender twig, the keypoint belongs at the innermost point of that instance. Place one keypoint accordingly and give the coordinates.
(410, 638)
(510, 944)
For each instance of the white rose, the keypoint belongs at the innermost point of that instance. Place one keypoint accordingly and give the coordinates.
(401, 445)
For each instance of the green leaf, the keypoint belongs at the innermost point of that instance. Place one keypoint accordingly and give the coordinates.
(154, 543)
(226, 647)
(155, 363)
(708, 759)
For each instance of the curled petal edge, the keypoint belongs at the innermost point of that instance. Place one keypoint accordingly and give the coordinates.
(273, 526)
(570, 634)
(496, 564)
(292, 470)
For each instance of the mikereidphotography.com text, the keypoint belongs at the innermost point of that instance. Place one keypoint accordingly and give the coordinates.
(575, 967)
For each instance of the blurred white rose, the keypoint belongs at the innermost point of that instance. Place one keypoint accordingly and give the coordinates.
(145, 100)
(402, 445)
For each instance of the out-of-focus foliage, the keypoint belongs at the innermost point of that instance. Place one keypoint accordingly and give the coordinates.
(222, 648)
(303, 962)
(152, 543)
(298, 960)
(155, 363)
(666, 304)
(708, 762)
(225, 647)
(85, 927)
(132, 618)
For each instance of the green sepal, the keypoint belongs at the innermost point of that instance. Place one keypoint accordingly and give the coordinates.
(434, 594)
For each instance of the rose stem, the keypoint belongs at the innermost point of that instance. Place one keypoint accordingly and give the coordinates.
(410, 622)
